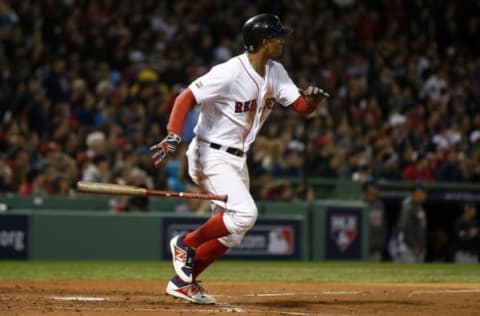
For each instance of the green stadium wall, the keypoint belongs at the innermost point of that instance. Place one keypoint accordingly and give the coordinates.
(66, 232)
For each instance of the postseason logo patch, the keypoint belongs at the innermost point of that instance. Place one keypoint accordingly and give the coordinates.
(343, 230)
(198, 84)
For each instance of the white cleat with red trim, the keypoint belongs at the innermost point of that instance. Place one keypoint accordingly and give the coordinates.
(183, 258)
(191, 292)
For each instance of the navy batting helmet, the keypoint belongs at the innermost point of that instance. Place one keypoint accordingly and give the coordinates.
(260, 27)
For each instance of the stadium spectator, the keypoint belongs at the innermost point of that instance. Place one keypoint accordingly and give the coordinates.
(377, 219)
(467, 236)
(5, 175)
(403, 81)
(98, 170)
(418, 170)
(290, 165)
(135, 177)
(34, 184)
(408, 242)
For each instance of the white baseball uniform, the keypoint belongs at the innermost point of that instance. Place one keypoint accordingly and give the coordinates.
(235, 102)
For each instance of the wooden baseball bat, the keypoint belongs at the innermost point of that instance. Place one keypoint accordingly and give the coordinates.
(119, 189)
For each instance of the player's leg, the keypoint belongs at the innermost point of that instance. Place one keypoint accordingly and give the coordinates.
(214, 249)
(225, 177)
(208, 253)
(214, 228)
(238, 219)
(216, 173)
(189, 291)
(205, 255)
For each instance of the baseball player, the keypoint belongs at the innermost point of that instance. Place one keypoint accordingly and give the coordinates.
(409, 239)
(236, 97)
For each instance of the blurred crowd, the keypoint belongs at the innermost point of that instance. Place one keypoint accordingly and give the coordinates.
(87, 86)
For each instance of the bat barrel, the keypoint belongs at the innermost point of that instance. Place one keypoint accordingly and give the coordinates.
(118, 189)
(109, 188)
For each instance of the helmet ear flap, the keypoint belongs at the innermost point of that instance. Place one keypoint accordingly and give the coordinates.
(263, 42)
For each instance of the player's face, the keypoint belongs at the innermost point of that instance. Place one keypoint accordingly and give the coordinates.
(471, 212)
(419, 196)
(275, 46)
(373, 192)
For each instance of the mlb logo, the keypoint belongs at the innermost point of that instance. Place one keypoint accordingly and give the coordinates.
(343, 230)
(280, 240)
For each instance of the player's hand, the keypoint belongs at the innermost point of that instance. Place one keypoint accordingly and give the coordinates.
(165, 149)
(316, 98)
(315, 94)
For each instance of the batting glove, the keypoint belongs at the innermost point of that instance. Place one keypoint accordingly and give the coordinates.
(315, 92)
(165, 148)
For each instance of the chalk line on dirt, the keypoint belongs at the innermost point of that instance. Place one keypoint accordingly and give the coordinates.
(79, 298)
(270, 294)
(179, 310)
(303, 293)
(445, 291)
(341, 292)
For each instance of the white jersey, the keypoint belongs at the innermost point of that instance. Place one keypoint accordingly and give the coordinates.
(235, 100)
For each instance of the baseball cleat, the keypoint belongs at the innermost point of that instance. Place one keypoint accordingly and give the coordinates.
(191, 292)
(183, 258)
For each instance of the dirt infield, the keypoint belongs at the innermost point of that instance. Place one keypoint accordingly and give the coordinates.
(74, 297)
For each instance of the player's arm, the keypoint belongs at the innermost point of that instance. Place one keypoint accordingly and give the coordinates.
(182, 106)
(303, 101)
(309, 100)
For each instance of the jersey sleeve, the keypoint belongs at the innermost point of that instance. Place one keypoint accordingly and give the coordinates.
(214, 84)
(287, 91)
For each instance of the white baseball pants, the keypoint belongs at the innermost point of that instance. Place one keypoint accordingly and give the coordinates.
(219, 172)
